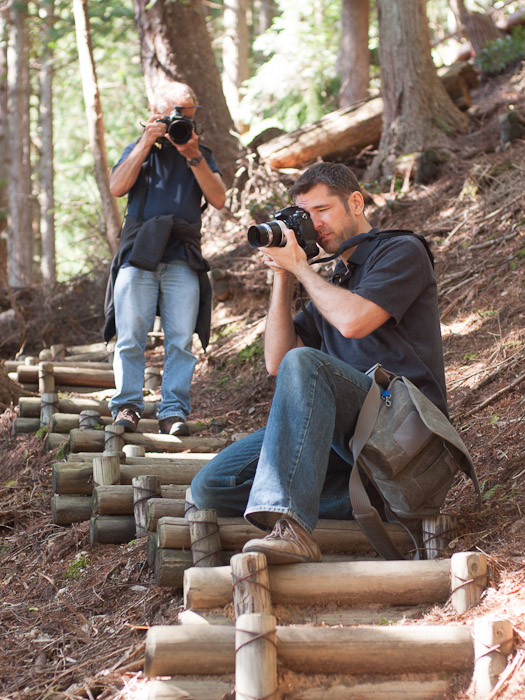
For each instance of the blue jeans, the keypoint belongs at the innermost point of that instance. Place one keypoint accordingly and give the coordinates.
(174, 287)
(299, 465)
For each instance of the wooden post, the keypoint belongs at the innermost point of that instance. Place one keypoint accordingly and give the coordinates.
(114, 440)
(144, 488)
(46, 378)
(152, 378)
(106, 470)
(58, 352)
(204, 536)
(468, 579)
(134, 450)
(493, 642)
(438, 532)
(255, 657)
(48, 407)
(189, 505)
(151, 548)
(29, 360)
(88, 420)
(250, 584)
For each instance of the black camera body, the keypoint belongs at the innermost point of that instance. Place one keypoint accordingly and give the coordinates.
(272, 233)
(178, 126)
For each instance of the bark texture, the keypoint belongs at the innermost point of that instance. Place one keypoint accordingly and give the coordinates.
(418, 112)
(355, 56)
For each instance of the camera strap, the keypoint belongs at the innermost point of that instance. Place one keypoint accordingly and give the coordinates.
(376, 235)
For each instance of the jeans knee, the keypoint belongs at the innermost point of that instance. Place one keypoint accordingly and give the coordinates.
(300, 360)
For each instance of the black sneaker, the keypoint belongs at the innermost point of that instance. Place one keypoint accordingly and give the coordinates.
(128, 417)
(174, 425)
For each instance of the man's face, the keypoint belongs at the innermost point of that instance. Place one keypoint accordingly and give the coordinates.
(334, 220)
(184, 102)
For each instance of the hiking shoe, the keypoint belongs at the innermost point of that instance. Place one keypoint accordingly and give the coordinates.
(128, 417)
(287, 543)
(174, 425)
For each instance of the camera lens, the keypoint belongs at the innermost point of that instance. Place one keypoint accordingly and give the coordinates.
(180, 130)
(266, 235)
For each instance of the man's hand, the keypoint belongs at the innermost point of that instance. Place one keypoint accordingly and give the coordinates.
(153, 130)
(190, 149)
(290, 258)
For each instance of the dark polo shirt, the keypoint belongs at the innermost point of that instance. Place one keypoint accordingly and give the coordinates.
(396, 274)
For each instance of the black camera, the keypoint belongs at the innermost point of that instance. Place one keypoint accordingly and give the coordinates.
(178, 126)
(272, 233)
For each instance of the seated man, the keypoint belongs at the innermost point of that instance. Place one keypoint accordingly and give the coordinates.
(380, 306)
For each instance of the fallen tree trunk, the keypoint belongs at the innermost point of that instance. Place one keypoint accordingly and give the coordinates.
(352, 128)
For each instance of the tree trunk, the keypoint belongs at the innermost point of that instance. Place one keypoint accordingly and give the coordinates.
(3, 142)
(235, 50)
(169, 34)
(477, 28)
(19, 240)
(418, 113)
(47, 197)
(264, 11)
(355, 56)
(110, 209)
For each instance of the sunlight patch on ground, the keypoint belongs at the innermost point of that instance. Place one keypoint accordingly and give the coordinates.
(462, 326)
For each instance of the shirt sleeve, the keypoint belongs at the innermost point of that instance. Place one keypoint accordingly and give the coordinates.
(395, 274)
(306, 327)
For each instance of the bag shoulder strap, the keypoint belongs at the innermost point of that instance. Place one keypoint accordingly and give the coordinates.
(366, 515)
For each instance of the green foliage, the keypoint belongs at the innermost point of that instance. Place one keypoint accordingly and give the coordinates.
(77, 568)
(296, 79)
(496, 55)
(251, 353)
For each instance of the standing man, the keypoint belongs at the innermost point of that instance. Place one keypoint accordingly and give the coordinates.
(159, 265)
(380, 306)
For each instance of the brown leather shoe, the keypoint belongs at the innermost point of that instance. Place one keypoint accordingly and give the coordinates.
(128, 417)
(174, 425)
(287, 543)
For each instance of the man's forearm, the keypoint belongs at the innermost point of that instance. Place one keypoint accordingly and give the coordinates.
(125, 175)
(280, 335)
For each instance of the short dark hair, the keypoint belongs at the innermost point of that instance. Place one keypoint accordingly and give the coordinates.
(339, 179)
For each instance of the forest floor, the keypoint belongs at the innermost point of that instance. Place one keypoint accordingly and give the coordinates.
(73, 617)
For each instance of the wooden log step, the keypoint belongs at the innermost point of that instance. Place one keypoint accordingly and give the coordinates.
(111, 529)
(160, 507)
(420, 689)
(330, 535)
(161, 458)
(66, 422)
(345, 583)
(73, 478)
(170, 565)
(93, 440)
(25, 425)
(118, 499)
(30, 406)
(202, 649)
(185, 690)
(71, 376)
(66, 510)
(13, 365)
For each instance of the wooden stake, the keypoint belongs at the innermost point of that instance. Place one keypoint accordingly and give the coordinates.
(152, 378)
(438, 532)
(45, 375)
(468, 579)
(113, 437)
(144, 488)
(48, 407)
(255, 657)
(151, 548)
(134, 450)
(493, 642)
(250, 584)
(209, 649)
(205, 540)
(189, 505)
(88, 420)
(106, 471)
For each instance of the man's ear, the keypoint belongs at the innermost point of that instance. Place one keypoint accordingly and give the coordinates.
(356, 203)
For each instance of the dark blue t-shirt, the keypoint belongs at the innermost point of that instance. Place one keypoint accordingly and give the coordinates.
(396, 274)
(172, 189)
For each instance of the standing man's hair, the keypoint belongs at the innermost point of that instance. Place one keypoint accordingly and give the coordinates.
(172, 91)
(339, 179)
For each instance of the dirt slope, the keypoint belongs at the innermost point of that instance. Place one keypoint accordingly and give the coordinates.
(72, 618)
